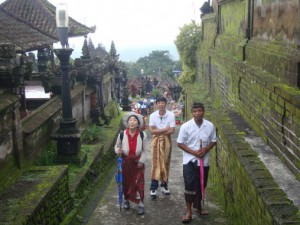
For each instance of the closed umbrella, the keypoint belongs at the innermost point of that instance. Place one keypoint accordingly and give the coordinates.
(202, 175)
(119, 180)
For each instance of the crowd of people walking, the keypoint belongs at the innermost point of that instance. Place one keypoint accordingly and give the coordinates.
(196, 138)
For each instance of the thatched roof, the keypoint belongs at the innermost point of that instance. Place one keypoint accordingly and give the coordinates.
(31, 24)
(21, 35)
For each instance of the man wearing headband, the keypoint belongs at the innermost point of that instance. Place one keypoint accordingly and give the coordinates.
(132, 145)
(161, 126)
(196, 138)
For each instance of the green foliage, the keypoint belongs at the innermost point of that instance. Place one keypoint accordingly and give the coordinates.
(187, 43)
(91, 134)
(113, 51)
(48, 155)
(156, 63)
(86, 148)
(187, 75)
(156, 92)
(111, 110)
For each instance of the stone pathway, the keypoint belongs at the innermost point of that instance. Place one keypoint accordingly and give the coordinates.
(165, 210)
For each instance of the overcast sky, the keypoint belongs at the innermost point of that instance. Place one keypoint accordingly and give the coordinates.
(133, 23)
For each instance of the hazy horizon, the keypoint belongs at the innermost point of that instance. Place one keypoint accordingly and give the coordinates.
(132, 54)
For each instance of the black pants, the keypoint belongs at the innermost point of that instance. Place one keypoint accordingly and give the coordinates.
(191, 176)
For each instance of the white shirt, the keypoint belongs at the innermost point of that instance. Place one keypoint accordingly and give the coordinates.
(160, 122)
(192, 136)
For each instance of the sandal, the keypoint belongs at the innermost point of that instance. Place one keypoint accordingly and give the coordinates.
(203, 213)
(186, 219)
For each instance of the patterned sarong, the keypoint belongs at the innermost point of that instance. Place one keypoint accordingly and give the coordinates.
(161, 147)
(133, 179)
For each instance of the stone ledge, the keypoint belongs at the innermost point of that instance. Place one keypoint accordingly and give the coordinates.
(49, 198)
(274, 200)
(38, 117)
(39, 196)
(7, 100)
(97, 161)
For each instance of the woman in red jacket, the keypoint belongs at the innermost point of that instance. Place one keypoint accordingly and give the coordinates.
(132, 145)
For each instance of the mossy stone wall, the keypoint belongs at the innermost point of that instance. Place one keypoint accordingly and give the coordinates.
(243, 183)
(41, 195)
(242, 77)
(209, 29)
(270, 106)
(10, 134)
(232, 24)
(38, 126)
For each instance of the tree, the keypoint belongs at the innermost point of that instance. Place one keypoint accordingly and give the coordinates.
(91, 47)
(156, 63)
(113, 59)
(156, 92)
(113, 51)
(187, 43)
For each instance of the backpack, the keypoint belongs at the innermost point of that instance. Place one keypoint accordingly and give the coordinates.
(122, 135)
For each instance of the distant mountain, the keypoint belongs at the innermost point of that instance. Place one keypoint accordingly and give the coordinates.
(133, 54)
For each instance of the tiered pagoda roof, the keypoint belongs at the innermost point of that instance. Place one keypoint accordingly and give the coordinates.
(31, 24)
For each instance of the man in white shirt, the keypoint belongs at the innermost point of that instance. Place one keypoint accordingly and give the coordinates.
(196, 138)
(161, 126)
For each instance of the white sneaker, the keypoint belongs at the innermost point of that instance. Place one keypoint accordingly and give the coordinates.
(165, 190)
(153, 194)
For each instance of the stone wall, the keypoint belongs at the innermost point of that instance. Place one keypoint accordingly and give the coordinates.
(23, 140)
(40, 124)
(241, 79)
(257, 79)
(107, 87)
(40, 196)
(52, 194)
(81, 103)
(242, 182)
(10, 133)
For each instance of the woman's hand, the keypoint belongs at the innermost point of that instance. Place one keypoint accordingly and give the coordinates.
(140, 165)
(119, 151)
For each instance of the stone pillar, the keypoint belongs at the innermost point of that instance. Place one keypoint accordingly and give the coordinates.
(67, 136)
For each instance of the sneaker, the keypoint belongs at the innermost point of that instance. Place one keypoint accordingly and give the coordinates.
(165, 190)
(126, 205)
(141, 210)
(153, 194)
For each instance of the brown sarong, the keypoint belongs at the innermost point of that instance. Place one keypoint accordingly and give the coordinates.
(133, 179)
(161, 147)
